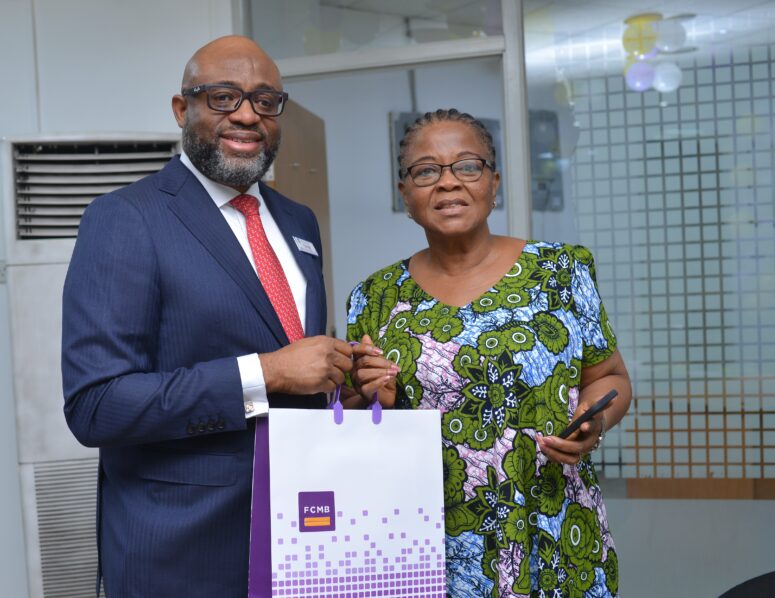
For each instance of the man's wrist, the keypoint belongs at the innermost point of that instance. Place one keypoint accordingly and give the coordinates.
(270, 372)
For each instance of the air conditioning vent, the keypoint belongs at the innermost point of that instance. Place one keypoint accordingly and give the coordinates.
(66, 499)
(55, 181)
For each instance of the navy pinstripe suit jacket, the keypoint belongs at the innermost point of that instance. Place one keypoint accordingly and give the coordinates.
(158, 302)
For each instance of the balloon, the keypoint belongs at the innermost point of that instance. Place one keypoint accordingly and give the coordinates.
(667, 77)
(639, 38)
(671, 35)
(644, 17)
(639, 76)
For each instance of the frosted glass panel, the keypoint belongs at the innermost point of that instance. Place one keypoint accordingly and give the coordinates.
(688, 273)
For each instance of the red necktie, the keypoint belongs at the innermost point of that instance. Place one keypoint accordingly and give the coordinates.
(270, 272)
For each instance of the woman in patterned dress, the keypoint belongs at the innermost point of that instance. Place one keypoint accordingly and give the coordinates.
(510, 341)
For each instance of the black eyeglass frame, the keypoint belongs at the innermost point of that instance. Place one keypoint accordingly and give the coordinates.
(197, 89)
(408, 171)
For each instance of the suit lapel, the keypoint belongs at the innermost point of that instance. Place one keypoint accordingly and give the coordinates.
(288, 225)
(196, 210)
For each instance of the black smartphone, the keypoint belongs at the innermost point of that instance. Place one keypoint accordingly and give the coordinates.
(588, 414)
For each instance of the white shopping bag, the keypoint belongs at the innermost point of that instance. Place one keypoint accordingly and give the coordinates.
(357, 507)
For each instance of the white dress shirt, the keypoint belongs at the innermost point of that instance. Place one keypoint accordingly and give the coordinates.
(251, 373)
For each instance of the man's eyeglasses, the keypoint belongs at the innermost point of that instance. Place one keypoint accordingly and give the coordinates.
(227, 98)
(468, 170)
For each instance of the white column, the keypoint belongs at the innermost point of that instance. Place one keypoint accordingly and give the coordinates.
(516, 162)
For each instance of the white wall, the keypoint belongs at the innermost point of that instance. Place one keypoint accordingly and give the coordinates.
(366, 233)
(108, 65)
(690, 548)
(18, 115)
(80, 67)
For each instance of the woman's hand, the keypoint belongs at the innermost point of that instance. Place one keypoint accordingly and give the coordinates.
(570, 450)
(372, 373)
(596, 380)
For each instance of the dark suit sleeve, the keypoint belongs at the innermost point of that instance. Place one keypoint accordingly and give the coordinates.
(114, 391)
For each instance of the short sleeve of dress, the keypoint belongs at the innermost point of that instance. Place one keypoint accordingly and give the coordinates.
(370, 303)
(597, 332)
(358, 313)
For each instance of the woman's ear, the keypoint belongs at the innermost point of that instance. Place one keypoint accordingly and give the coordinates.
(407, 206)
(496, 183)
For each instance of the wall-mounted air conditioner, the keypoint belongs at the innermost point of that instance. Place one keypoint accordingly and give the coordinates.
(48, 182)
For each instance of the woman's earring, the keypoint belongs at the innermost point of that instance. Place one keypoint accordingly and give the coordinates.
(494, 202)
(409, 215)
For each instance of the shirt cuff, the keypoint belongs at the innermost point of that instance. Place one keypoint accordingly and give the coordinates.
(253, 385)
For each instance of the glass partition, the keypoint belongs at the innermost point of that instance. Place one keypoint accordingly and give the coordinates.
(652, 144)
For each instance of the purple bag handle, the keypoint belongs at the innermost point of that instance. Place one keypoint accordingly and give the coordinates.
(336, 405)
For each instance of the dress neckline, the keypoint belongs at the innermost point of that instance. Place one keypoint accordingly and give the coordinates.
(515, 270)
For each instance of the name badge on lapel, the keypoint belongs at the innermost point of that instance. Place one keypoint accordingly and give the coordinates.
(305, 246)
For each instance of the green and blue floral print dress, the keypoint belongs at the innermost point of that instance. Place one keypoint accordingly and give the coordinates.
(500, 369)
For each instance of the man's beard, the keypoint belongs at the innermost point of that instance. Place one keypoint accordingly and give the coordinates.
(235, 172)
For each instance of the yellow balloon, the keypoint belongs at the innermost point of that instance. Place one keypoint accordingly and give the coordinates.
(639, 38)
(644, 17)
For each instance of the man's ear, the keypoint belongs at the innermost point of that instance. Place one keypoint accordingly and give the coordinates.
(179, 107)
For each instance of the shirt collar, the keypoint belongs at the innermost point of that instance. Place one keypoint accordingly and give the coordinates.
(220, 194)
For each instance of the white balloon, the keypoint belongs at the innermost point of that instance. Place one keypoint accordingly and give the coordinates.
(667, 77)
(671, 35)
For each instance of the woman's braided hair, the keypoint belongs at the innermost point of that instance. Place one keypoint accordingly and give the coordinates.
(450, 115)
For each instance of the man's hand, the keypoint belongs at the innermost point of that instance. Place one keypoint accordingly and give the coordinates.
(307, 366)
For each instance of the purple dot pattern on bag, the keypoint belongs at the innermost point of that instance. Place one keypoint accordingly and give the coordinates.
(407, 563)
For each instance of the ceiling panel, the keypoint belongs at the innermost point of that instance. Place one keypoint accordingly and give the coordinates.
(475, 13)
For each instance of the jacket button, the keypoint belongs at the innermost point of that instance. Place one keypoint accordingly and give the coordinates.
(210, 425)
(191, 429)
(202, 428)
(221, 424)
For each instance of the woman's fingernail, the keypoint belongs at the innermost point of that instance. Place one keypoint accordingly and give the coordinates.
(376, 351)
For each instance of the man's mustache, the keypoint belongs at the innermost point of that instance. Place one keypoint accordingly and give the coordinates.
(253, 129)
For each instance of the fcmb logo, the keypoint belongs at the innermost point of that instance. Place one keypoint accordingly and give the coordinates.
(317, 512)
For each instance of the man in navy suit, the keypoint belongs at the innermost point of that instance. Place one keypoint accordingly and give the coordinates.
(171, 344)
